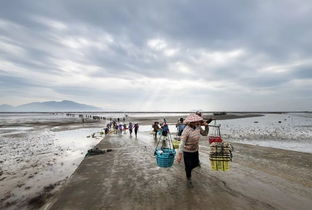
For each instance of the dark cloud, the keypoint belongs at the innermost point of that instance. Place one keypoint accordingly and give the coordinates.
(75, 48)
(303, 72)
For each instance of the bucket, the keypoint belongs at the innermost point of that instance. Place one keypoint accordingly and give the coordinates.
(214, 139)
(165, 157)
(220, 165)
(220, 156)
(175, 144)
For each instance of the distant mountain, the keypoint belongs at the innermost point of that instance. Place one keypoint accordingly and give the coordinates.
(49, 106)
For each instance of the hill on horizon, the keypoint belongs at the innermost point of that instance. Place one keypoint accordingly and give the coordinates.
(49, 106)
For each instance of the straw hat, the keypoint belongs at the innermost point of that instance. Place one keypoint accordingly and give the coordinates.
(193, 118)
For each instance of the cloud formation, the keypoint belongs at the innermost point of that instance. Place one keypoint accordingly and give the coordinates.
(158, 55)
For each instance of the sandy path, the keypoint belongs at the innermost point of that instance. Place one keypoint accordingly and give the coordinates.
(128, 178)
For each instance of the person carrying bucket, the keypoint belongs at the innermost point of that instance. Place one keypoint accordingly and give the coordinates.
(189, 144)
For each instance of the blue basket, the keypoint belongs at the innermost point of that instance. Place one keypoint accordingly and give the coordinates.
(165, 157)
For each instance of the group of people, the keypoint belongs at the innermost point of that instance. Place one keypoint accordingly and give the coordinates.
(160, 128)
(122, 128)
(189, 130)
(163, 128)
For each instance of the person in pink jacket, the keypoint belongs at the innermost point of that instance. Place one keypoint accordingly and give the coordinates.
(189, 144)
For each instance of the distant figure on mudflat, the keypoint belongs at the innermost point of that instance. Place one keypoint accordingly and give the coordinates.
(136, 128)
(199, 113)
(180, 126)
(116, 129)
(120, 128)
(125, 128)
(106, 130)
(165, 128)
(155, 127)
(130, 128)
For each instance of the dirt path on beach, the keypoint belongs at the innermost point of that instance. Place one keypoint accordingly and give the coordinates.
(128, 178)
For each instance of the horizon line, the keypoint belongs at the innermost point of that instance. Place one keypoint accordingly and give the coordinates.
(93, 111)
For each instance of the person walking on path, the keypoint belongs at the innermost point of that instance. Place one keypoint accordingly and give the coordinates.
(136, 128)
(120, 128)
(165, 128)
(155, 129)
(130, 128)
(180, 126)
(189, 144)
(106, 130)
(125, 128)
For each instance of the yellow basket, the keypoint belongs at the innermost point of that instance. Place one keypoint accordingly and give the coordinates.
(175, 144)
(220, 165)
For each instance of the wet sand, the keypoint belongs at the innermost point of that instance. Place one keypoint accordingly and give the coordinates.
(32, 166)
(128, 178)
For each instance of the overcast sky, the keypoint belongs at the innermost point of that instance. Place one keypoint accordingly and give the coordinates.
(141, 55)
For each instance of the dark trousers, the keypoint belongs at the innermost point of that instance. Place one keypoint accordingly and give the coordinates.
(164, 133)
(155, 134)
(191, 160)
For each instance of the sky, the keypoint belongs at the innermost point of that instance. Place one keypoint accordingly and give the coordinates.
(140, 55)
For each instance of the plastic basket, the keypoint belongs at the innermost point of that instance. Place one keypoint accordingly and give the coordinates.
(165, 157)
(220, 156)
(214, 139)
(220, 165)
(214, 133)
(175, 144)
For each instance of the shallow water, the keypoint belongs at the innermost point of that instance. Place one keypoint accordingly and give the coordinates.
(284, 131)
